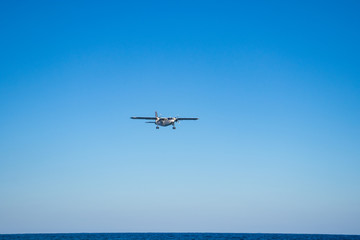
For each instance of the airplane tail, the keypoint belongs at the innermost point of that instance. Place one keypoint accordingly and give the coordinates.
(156, 115)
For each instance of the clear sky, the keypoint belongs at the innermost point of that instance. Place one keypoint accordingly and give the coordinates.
(276, 85)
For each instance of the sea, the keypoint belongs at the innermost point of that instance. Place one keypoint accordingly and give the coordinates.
(175, 236)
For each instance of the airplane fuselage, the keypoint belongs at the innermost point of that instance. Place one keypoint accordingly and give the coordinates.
(164, 122)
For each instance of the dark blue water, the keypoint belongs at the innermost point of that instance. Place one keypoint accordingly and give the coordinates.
(175, 236)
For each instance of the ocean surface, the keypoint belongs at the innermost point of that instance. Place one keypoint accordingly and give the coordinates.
(175, 236)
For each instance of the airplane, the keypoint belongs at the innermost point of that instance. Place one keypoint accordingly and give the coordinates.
(164, 121)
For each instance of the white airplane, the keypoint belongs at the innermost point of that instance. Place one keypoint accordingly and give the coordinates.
(164, 121)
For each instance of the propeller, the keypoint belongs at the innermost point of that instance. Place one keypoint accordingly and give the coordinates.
(156, 115)
(176, 119)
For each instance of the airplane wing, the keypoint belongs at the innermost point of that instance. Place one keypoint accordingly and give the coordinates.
(146, 118)
(187, 119)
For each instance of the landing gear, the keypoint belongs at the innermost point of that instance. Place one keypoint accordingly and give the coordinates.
(157, 127)
(174, 127)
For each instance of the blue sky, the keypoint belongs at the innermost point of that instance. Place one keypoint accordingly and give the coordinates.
(276, 86)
